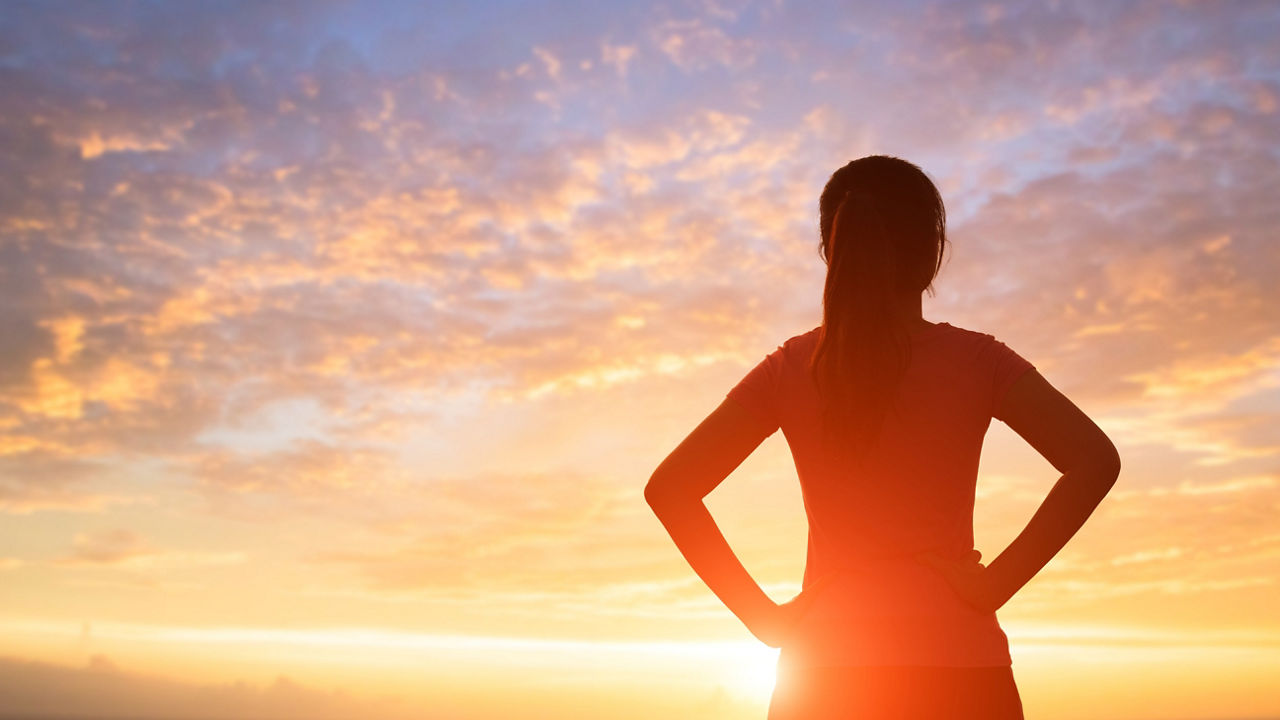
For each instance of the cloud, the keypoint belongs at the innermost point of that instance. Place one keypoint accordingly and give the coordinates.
(36, 476)
(1176, 541)
(509, 532)
(43, 688)
(694, 44)
(387, 259)
(107, 547)
(125, 549)
(307, 466)
(617, 56)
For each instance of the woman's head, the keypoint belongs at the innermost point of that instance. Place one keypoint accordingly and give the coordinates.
(883, 227)
(891, 212)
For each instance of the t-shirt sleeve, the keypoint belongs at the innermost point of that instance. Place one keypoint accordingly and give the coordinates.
(1006, 366)
(758, 391)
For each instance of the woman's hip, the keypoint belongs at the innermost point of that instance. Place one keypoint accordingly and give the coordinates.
(899, 692)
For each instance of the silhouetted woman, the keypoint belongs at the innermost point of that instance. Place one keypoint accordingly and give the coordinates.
(885, 414)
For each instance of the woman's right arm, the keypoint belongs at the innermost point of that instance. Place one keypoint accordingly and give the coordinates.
(1089, 464)
(1078, 448)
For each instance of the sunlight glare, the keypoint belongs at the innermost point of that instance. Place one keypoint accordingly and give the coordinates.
(755, 671)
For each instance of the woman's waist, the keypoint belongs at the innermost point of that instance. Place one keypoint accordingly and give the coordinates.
(850, 557)
(900, 622)
(892, 588)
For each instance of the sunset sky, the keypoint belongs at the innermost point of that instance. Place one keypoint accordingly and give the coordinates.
(339, 340)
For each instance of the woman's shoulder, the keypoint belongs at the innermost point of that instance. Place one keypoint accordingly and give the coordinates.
(981, 348)
(804, 343)
(966, 334)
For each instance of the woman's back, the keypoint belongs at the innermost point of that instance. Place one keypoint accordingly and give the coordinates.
(914, 493)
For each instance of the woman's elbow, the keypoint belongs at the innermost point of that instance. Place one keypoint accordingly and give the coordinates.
(656, 494)
(660, 492)
(1111, 461)
(1105, 465)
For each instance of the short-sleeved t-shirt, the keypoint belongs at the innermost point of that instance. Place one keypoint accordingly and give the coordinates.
(914, 492)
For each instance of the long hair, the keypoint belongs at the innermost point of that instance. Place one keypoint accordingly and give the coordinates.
(883, 229)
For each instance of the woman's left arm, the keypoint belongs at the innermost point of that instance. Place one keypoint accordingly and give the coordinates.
(675, 492)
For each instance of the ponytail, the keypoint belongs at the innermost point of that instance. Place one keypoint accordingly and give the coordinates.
(883, 236)
(862, 350)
